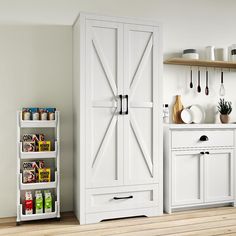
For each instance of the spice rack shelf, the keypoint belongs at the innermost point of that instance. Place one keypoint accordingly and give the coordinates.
(39, 123)
(39, 216)
(202, 63)
(37, 155)
(32, 186)
(54, 155)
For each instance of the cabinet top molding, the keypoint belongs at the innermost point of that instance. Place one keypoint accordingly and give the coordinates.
(202, 63)
(117, 19)
(201, 126)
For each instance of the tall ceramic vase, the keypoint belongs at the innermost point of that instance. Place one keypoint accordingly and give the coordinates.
(177, 108)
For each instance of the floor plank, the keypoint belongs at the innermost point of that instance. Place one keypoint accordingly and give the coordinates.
(205, 222)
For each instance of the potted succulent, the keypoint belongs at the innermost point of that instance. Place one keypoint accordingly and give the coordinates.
(225, 108)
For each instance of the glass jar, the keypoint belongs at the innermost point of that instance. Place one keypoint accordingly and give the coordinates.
(35, 115)
(44, 115)
(26, 115)
(51, 116)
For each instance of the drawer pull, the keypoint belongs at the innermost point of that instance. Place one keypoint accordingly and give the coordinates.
(120, 112)
(202, 153)
(207, 153)
(127, 105)
(204, 138)
(120, 198)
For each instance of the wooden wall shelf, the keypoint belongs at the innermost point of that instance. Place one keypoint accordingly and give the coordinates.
(202, 63)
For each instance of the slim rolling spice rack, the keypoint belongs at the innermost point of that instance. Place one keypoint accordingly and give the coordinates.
(55, 155)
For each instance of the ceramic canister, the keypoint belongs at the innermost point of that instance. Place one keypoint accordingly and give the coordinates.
(221, 54)
(190, 54)
(210, 53)
(233, 52)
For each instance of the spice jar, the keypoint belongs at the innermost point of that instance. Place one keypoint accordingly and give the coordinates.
(51, 116)
(35, 115)
(44, 115)
(26, 115)
(165, 113)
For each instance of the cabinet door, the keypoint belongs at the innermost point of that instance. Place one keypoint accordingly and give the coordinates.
(219, 175)
(141, 85)
(187, 177)
(104, 82)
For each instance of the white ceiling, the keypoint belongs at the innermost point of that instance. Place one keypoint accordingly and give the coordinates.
(50, 12)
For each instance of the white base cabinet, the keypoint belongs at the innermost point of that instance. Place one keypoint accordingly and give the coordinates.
(199, 166)
(117, 102)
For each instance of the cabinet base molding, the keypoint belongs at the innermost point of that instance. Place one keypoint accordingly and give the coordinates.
(194, 207)
(97, 217)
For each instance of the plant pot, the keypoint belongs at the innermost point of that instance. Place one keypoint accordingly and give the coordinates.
(224, 118)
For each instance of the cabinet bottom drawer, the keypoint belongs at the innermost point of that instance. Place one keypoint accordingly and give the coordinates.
(121, 198)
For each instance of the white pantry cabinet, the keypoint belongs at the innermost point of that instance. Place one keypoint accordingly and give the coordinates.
(118, 135)
(199, 165)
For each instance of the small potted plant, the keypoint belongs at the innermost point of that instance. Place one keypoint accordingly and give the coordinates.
(225, 108)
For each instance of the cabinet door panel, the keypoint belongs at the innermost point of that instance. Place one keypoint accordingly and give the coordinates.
(104, 81)
(219, 175)
(187, 177)
(140, 84)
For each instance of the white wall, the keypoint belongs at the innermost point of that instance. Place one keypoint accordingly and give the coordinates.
(186, 24)
(35, 70)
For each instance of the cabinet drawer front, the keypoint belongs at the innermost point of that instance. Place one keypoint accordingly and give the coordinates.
(110, 199)
(191, 138)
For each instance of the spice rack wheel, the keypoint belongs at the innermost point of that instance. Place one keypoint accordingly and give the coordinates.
(54, 155)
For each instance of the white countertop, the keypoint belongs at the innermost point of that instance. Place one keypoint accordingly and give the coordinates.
(200, 126)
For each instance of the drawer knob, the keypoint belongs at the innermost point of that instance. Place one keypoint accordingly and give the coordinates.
(207, 153)
(119, 198)
(204, 138)
(202, 153)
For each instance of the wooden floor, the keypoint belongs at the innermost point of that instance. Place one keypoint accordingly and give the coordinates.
(214, 221)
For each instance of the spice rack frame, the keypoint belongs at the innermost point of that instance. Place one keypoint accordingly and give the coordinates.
(55, 184)
(200, 63)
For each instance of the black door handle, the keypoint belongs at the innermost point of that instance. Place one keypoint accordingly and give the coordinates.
(121, 112)
(127, 104)
(204, 138)
(120, 198)
(202, 153)
(207, 153)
